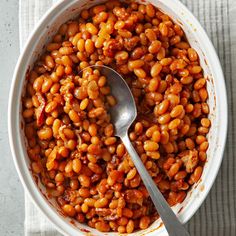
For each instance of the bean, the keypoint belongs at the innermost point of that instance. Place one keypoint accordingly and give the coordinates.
(144, 222)
(154, 47)
(84, 180)
(205, 122)
(200, 83)
(45, 133)
(101, 203)
(153, 85)
(28, 113)
(89, 46)
(150, 146)
(150, 10)
(163, 107)
(156, 69)
(102, 226)
(196, 175)
(131, 174)
(173, 170)
(91, 28)
(50, 106)
(66, 50)
(176, 111)
(192, 54)
(174, 124)
(36, 167)
(69, 210)
(140, 73)
(163, 119)
(76, 165)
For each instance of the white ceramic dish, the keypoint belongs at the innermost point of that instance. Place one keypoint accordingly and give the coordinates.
(60, 13)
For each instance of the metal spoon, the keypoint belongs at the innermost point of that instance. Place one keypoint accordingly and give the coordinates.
(123, 115)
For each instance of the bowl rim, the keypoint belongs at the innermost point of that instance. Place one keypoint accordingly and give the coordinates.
(26, 178)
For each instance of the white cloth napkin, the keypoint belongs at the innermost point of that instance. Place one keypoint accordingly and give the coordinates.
(217, 215)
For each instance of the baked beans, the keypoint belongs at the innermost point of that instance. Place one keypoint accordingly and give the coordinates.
(71, 142)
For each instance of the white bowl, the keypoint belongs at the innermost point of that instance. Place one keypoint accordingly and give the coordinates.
(60, 13)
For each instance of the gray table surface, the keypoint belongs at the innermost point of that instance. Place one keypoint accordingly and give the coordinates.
(11, 190)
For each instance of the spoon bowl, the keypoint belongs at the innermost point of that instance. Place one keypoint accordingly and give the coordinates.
(124, 112)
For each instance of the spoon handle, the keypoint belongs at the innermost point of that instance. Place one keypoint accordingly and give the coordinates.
(172, 224)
